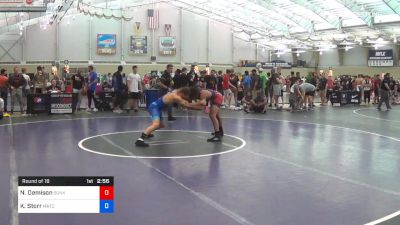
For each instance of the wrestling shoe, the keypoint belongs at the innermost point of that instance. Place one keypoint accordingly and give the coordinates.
(141, 143)
(216, 138)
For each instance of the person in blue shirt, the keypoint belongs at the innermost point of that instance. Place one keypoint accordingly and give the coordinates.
(246, 82)
(92, 83)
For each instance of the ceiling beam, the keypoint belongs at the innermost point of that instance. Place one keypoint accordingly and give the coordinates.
(319, 11)
(298, 20)
(394, 5)
(359, 11)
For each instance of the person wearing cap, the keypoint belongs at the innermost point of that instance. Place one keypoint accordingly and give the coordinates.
(4, 87)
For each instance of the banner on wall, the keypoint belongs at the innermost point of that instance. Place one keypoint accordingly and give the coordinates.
(137, 29)
(266, 65)
(167, 46)
(380, 58)
(138, 45)
(106, 44)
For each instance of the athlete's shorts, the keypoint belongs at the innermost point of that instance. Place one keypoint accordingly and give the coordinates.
(134, 95)
(155, 112)
(218, 99)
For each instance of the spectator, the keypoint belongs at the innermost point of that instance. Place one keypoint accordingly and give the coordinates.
(27, 89)
(322, 86)
(180, 79)
(40, 81)
(211, 80)
(263, 81)
(375, 88)
(4, 88)
(295, 95)
(54, 88)
(308, 92)
(134, 88)
(77, 85)
(220, 80)
(385, 92)
(330, 85)
(247, 102)
(17, 82)
(367, 85)
(276, 88)
(92, 83)
(165, 84)
(246, 82)
(193, 76)
(234, 80)
(1, 108)
(117, 85)
(226, 85)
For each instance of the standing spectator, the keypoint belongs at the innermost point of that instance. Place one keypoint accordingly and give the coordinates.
(186, 78)
(4, 87)
(211, 80)
(220, 80)
(235, 83)
(255, 83)
(1, 108)
(117, 85)
(17, 82)
(134, 88)
(322, 86)
(367, 85)
(330, 85)
(263, 81)
(193, 77)
(166, 86)
(385, 92)
(226, 85)
(40, 81)
(375, 87)
(77, 85)
(178, 79)
(276, 88)
(246, 82)
(92, 83)
(308, 92)
(27, 89)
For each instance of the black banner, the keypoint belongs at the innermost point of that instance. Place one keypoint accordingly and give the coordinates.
(380, 58)
(61, 103)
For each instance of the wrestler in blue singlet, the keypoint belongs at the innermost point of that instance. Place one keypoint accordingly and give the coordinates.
(155, 109)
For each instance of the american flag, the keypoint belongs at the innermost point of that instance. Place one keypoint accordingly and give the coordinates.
(153, 18)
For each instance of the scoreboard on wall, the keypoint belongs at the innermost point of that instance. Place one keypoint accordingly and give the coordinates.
(380, 58)
(65, 195)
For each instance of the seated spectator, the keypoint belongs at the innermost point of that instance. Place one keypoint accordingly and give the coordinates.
(53, 87)
(246, 101)
(259, 103)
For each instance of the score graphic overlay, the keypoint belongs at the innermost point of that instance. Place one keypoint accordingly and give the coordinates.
(65, 194)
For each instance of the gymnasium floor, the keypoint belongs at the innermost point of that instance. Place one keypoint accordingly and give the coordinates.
(330, 166)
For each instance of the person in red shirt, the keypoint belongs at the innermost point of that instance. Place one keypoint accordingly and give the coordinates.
(226, 86)
(375, 88)
(4, 87)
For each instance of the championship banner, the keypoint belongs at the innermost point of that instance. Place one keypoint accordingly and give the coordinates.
(138, 45)
(167, 29)
(61, 103)
(167, 46)
(106, 44)
(380, 58)
(137, 30)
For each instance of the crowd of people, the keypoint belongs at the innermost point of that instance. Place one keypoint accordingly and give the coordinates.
(253, 91)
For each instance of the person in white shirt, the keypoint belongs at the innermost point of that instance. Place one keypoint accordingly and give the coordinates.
(134, 88)
(27, 88)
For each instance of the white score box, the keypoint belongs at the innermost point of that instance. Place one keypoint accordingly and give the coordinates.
(58, 206)
(59, 192)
